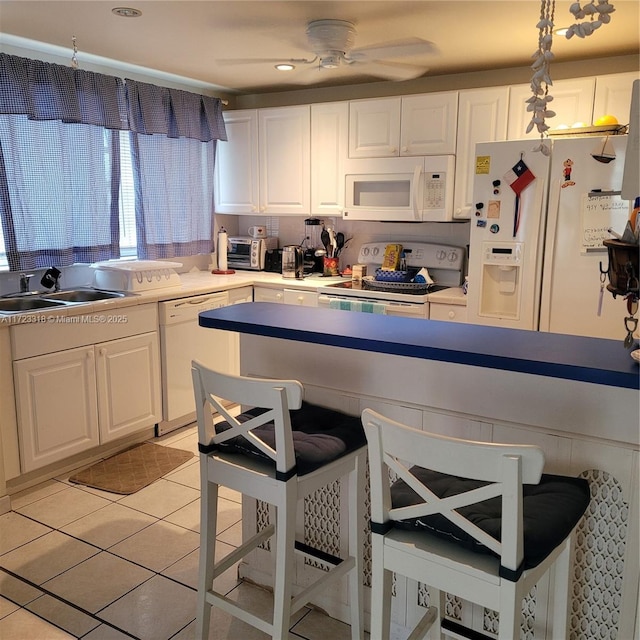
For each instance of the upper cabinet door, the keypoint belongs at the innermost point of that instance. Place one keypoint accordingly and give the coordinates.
(285, 160)
(329, 141)
(374, 128)
(482, 117)
(572, 102)
(613, 96)
(428, 124)
(236, 172)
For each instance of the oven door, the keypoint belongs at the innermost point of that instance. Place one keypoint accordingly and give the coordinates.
(375, 306)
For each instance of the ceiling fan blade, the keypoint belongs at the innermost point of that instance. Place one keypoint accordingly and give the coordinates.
(396, 49)
(395, 71)
(294, 61)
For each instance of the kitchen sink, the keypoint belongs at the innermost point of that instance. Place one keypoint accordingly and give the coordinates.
(81, 295)
(26, 304)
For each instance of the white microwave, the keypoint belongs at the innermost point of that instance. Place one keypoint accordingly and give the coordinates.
(411, 189)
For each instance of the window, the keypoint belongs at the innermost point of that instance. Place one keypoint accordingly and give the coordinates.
(91, 169)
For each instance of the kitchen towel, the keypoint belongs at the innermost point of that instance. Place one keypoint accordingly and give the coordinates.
(133, 469)
(357, 305)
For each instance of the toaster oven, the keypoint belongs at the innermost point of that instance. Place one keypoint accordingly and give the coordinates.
(244, 252)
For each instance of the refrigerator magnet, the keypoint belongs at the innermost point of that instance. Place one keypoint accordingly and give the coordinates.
(493, 209)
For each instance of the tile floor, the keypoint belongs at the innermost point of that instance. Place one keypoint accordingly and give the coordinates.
(76, 562)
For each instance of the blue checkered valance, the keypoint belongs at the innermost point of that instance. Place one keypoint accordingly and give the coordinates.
(47, 91)
(174, 113)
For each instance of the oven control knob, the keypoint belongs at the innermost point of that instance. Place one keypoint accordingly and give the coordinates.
(441, 255)
(375, 251)
(453, 256)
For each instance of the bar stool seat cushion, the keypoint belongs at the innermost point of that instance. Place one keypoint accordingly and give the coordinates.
(551, 509)
(320, 435)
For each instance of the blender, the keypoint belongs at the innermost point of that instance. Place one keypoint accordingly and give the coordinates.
(313, 249)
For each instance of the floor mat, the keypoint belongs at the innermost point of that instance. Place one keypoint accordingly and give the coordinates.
(133, 469)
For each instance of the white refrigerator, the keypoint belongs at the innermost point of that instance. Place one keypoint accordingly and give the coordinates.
(535, 252)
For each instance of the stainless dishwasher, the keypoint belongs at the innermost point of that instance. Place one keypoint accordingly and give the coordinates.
(183, 340)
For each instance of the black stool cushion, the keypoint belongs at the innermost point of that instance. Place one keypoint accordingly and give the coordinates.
(320, 435)
(551, 510)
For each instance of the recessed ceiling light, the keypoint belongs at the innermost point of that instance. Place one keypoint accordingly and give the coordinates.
(285, 67)
(126, 12)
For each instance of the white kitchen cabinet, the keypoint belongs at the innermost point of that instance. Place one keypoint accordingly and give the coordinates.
(374, 128)
(74, 390)
(329, 142)
(449, 312)
(415, 125)
(482, 117)
(264, 166)
(613, 95)
(284, 160)
(267, 294)
(56, 402)
(572, 102)
(129, 396)
(428, 124)
(236, 171)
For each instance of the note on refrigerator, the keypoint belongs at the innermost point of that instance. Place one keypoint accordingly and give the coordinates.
(601, 212)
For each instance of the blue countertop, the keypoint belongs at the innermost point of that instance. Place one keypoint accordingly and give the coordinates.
(594, 360)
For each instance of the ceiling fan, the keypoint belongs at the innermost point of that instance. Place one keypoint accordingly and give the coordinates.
(332, 43)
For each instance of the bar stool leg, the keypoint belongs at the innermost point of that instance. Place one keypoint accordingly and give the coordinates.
(208, 524)
(285, 539)
(380, 592)
(560, 576)
(356, 547)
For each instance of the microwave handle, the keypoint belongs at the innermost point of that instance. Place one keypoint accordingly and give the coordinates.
(417, 172)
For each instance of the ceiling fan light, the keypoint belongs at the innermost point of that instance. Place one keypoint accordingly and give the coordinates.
(285, 66)
(126, 12)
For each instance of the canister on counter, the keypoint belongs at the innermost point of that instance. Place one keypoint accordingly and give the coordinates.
(358, 271)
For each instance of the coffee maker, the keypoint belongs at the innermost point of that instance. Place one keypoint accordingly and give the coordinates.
(292, 262)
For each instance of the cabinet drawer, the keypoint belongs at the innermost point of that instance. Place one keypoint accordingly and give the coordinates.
(450, 312)
(301, 298)
(265, 294)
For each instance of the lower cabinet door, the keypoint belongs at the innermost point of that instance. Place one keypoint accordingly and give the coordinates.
(128, 382)
(56, 405)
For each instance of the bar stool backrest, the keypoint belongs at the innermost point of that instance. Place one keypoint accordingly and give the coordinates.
(277, 398)
(397, 447)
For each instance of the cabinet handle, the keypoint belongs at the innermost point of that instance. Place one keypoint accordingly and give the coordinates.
(300, 299)
(90, 355)
(103, 351)
(405, 149)
(392, 150)
(278, 296)
(452, 314)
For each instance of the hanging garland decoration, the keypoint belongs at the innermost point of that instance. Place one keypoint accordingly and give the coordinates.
(598, 13)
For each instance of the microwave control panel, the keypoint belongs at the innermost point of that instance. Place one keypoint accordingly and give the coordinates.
(434, 191)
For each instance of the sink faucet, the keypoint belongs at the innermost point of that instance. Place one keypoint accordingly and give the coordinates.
(24, 282)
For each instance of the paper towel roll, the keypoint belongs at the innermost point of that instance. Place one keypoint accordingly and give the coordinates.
(222, 249)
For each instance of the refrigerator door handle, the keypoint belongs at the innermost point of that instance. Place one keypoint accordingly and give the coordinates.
(553, 209)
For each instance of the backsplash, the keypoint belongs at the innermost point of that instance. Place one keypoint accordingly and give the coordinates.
(291, 230)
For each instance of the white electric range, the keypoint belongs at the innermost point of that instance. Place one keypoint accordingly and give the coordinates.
(445, 264)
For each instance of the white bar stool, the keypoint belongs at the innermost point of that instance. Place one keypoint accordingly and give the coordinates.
(280, 451)
(477, 520)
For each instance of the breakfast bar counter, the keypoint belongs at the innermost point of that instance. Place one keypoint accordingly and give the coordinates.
(575, 397)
